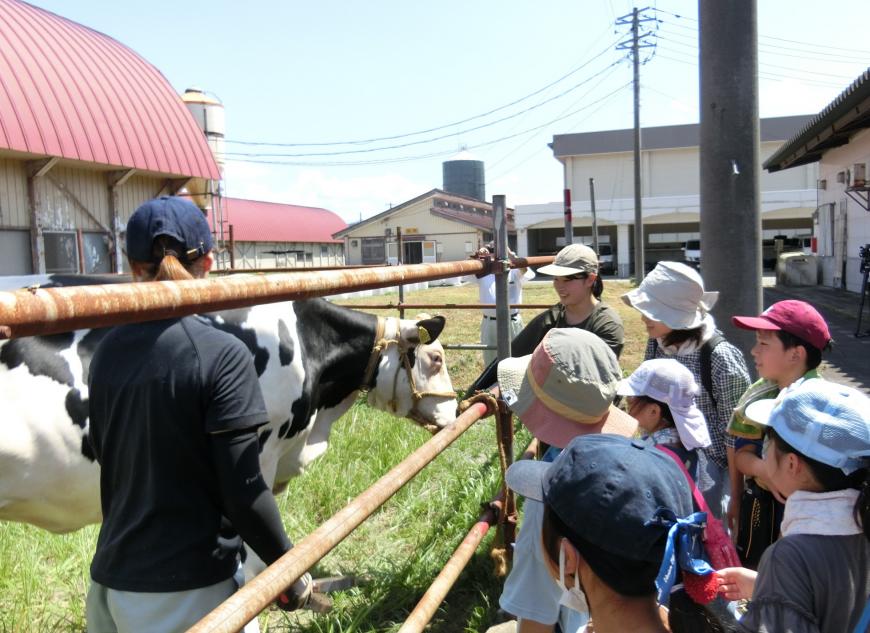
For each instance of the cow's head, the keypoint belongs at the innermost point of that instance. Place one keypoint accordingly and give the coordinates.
(412, 378)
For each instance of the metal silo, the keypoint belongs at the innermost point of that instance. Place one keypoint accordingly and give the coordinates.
(464, 175)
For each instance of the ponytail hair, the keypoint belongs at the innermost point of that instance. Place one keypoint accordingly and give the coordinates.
(168, 262)
(597, 287)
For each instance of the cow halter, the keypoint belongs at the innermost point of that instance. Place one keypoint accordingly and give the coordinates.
(381, 344)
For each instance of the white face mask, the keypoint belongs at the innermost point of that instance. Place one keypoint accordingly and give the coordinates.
(573, 598)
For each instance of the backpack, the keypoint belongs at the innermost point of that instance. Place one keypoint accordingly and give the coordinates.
(720, 548)
(706, 362)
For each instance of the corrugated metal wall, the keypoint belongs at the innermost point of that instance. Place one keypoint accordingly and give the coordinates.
(13, 194)
(70, 198)
(257, 255)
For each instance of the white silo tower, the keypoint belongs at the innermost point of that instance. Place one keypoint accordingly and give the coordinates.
(208, 112)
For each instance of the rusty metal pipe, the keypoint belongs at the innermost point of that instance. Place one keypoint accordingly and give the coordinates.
(441, 306)
(52, 310)
(440, 587)
(247, 602)
(434, 596)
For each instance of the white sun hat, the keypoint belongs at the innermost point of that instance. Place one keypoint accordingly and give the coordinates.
(672, 294)
(669, 381)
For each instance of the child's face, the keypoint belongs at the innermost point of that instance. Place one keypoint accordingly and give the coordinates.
(772, 360)
(655, 329)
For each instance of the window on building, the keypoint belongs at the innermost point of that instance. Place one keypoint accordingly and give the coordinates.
(373, 250)
(61, 252)
(324, 250)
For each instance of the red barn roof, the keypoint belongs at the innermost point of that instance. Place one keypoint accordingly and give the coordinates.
(256, 221)
(72, 92)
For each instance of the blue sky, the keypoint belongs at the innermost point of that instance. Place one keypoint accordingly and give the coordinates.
(291, 72)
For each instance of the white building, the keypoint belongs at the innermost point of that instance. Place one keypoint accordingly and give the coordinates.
(837, 142)
(670, 177)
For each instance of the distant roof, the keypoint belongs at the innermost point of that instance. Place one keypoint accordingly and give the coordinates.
(452, 206)
(256, 221)
(831, 127)
(71, 92)
(664, 137)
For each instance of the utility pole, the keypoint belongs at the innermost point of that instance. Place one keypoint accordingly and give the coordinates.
(569, 222)
(729, 161)
(635, 44)
(594, 215)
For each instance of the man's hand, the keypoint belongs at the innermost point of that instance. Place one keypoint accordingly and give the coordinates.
(296, 595)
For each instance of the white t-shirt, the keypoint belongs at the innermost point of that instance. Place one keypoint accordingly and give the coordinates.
(486, 289)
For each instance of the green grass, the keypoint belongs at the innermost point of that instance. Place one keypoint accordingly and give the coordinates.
(399, 550)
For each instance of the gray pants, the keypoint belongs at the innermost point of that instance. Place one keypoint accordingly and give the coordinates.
(489, 336)
(114, 611)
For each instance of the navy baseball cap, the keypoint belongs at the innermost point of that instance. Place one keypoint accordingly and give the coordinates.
(607, 491)
(175, 217)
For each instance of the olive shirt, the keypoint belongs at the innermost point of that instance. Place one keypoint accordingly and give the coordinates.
(604, 322)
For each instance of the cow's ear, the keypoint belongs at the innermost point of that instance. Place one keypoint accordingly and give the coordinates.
(431, 326)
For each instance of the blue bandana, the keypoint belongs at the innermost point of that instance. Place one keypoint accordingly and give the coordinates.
(684, 548)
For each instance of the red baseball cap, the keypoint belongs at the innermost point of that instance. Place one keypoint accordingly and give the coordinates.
(798, 318)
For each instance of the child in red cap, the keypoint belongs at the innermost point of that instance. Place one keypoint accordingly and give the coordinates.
(790, 337)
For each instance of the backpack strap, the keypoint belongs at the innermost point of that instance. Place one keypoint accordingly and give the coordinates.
(707, 363)
(696, 494)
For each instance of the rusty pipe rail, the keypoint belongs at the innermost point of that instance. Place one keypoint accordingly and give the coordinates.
(440, 587)
(441, 306)
(30, 312)
(250, 600)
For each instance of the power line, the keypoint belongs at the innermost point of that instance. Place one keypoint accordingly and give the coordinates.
(440, 127)
(761, 73)
(768, 37)
(369, 150)
(401, 159)
(776, 48)
(763, 64)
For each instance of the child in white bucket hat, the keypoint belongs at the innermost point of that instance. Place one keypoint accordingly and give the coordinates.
(816, 577)
(674, 306)
(661, 397)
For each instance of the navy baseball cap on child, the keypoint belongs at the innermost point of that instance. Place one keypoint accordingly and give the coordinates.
(608, 490)
(175, 217)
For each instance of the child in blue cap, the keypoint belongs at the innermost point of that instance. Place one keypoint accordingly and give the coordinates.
(817, 576)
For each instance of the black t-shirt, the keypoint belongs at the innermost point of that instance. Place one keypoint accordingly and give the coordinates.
(604, 322)
(157, 390)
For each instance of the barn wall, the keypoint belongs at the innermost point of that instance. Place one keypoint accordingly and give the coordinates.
(258, 255)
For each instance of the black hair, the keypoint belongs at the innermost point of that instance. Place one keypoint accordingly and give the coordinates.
(597, 287)
(666, 410)
(789, 341)
(831, 478)
(675, 338)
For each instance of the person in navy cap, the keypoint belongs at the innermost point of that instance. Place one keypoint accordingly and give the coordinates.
(619, 529)
(174, 410)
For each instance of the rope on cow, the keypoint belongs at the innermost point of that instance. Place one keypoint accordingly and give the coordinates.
(485, 397)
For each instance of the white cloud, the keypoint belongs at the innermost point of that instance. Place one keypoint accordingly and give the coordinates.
(350, 197)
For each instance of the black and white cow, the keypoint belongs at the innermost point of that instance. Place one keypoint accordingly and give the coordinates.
(312, 357)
